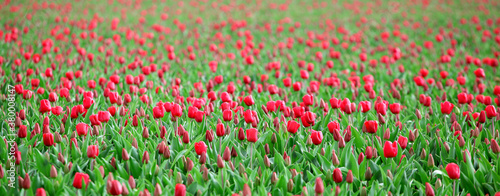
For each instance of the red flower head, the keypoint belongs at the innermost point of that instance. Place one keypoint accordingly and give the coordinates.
(453, 171)
(103, 116)
(249, 100)
(79, 179)
(332, 126)
(200, 147)
(446, 107)
(176, 110)
(45, 106)
(371, 126)
(115, 187)
(490, 111)
(308, 100)
(158, 112)
(292, 126)
(180, 190)
(337, 175)
(403, 142)
(227, 115)
(82, 129)
(252, 135)
(395, 108)
(92, 151)
(48, 139)
(390, 149)
(317, 137)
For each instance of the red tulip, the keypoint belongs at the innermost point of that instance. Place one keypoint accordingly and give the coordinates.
(395, 108)
(158, 112)
(308, 100)
(337, 175)
(57, 110)
(92, 151)
(390, 149)
(490, 111)
(227, 115)
(45, 106)
(103, 116)
(115, 187)
(252, 135)
(292, 126)
(446, 107)
(332, 126)
(180, 190)
(403, 141)
(317, 137)
(381, 108)
(428, 190)
(79, 179)
(220, 130)
(176, 110)
(453, 171)
(40, 192)
(319, 187)
(308, 119)
(22, 132)
(462, 98)
(200, 147)
(479, 73)
(249, 100)
(365, 106)
(82, 129)
(371, 126)
(48, 139)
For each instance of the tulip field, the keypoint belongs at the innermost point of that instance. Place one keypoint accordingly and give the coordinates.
(240, 97)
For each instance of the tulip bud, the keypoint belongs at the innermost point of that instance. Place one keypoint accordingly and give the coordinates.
(349, 178)
(423, 154)
(267, 163)
(233, 152)
(335, 159)
(246, 190)
(494, 146)
(157, 190)
(189, 164)
(368, 174)
(387, 134)
(178, 178)
(227, 154)
(438, 184)
(125, 155)
(381, 119)
(220, 162)
(27, 181)
(318, 187)
(274, 178)
(53, 172)
(363, 192)
(266, 149)
(289, 186)
(446, 147)
(430, 161)
(411, 136)
(190, 179)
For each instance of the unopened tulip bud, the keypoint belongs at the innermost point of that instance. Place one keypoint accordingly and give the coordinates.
(438, 184)
(220, 162)
(349, 178)
(446, 147)
(368, 174)
(274, 178)
(125, 155)
(246, 190)
(387, 134)
(389, 174)
(423, 154)
(266, 149)
(289, 186)
(430, 161)
(494, 146)
(363, 192)
(190, 179)
(381, 119)
(178, 178)
(267, 163)
(319, 187)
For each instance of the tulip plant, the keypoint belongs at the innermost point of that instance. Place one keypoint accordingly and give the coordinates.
(249, 97)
